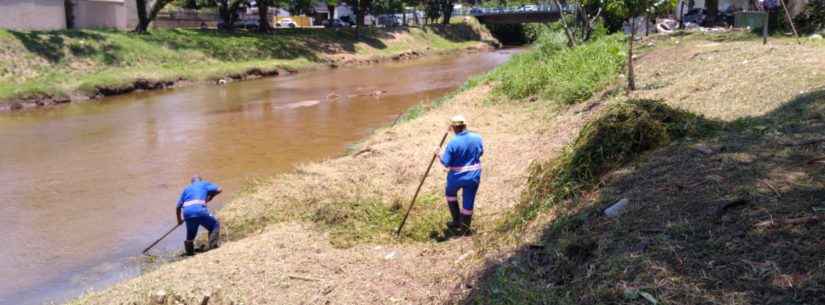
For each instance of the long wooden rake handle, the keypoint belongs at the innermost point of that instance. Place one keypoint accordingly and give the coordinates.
(426, 173)
(161, 238)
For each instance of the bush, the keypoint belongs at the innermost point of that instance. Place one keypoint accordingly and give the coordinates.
(812, 19)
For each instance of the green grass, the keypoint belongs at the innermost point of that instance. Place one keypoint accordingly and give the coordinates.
(555, 73)
(370, 220)
(63, 63)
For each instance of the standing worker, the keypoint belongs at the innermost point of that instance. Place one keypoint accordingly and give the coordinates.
(462, 157)
(192, 208)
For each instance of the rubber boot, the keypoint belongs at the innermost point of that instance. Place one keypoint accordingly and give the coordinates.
(466, 221)
(189, 247)
(214, 238)
(454, 211)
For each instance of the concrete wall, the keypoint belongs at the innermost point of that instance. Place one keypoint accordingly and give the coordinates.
(100, 14)
(32, 14)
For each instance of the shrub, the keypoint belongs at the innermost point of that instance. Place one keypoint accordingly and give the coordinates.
(812, 18)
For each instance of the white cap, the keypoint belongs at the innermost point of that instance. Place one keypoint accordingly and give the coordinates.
(458, 120)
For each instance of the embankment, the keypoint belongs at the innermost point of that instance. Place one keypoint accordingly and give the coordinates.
(54, 67)
(711, 186)
(324, 231)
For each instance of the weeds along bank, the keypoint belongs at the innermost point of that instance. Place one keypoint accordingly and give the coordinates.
(323, 233)
(41, 68)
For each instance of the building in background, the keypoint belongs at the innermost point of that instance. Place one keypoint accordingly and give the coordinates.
(54, 15)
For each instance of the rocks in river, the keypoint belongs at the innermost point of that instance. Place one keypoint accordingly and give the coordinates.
(378, 93)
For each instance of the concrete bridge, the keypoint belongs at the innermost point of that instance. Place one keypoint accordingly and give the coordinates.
(516, 15)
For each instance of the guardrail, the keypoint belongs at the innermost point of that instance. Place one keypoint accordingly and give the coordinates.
(535, 8)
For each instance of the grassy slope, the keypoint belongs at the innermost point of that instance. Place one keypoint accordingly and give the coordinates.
(354, 202)
(690, 234)
(64, 63)
(680, 241)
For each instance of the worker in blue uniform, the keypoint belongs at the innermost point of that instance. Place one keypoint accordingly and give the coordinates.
(192, 208)
(462, 158)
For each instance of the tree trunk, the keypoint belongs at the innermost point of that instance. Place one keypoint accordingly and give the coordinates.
(143, 19)
(69, 6)
(713, 12)
(191, 4)
(647, 25)
(227, 10)
(571, 41)
(631, 79)
(447, 12)
(263, 16)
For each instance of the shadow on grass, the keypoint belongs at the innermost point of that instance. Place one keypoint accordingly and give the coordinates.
(690, 233)
(108, 45)
(51, 45)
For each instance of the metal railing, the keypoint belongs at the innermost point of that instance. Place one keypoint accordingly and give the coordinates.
(530, 8)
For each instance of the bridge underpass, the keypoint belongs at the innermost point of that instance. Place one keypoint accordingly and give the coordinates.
(519, 17)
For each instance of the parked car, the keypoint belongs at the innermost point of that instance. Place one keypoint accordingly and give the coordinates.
(476, 11)
(286, 23)
(531, 8)
(388, 20)
(249, 24)
(335, 23)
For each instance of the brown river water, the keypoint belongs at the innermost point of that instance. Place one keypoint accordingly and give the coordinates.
(85, 187)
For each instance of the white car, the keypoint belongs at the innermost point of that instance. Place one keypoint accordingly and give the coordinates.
(286, 23)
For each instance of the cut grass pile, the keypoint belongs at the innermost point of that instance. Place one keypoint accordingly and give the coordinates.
(619, 135)
(36, 65)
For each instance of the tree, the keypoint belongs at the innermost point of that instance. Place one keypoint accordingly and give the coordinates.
(630, 10)
(228, 11)
(571, 41)
(446, 11)
(69, 6)
(145, 19)
(190, 4)
(263, 15)
(713, 11)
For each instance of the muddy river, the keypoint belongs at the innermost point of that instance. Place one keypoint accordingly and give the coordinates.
(85, 187)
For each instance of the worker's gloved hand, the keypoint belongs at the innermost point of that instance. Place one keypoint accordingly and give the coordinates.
(438, 151)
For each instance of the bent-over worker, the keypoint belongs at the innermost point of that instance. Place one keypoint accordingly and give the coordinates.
(462, 158)
(192, 209)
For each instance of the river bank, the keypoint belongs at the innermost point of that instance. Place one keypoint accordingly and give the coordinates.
(322, 232)
(154, 140)
(57, 67)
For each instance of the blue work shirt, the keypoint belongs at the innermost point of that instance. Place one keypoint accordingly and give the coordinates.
(463, 156)
(193, 199)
